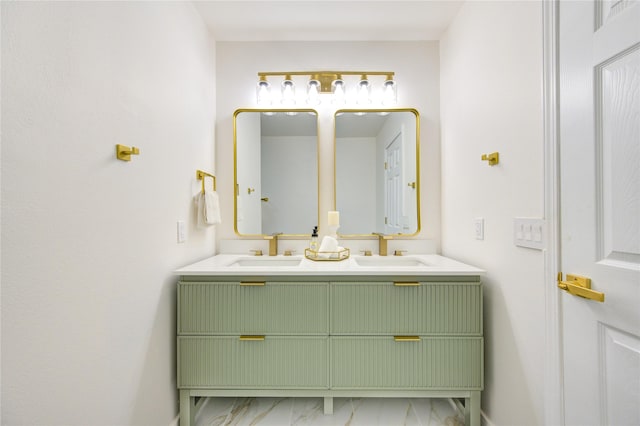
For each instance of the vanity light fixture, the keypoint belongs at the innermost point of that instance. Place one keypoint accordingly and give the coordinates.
(313, 91)
(364, 91)
(288, 92)
(263, 92)
(339, 96)
(329, 86)
(390, 92)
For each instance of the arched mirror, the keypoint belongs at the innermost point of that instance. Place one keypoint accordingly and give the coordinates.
(377, 171)
(275, 171)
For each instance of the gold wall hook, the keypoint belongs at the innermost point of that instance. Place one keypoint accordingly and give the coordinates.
(493, 158)
(124, 152)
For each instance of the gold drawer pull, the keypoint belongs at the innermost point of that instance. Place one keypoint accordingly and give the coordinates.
(251, 338)
(252, 283)
(406, 284)
(406, 338)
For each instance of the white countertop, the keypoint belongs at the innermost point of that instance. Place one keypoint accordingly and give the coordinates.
(428, 264)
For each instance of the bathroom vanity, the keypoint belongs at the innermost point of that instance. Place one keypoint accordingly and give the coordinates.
(364, 327)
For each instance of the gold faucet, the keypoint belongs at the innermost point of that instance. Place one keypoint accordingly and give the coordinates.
(273, 243)
(382, 242)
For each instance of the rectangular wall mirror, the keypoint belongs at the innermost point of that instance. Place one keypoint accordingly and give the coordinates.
(275, 171)
(377, 171)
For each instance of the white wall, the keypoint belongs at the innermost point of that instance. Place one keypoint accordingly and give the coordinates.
(289, 178)
(491, 59)
(89, 242)
(356, 159)
(416, 65)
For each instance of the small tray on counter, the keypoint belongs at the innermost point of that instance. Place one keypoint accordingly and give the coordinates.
(327, 256)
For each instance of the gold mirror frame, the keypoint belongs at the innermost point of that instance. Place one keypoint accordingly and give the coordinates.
(235, 170)
(417, 164)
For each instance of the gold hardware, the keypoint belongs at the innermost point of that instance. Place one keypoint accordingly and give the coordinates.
(579, 286)
(265, 199)
(257, 252)
(288, 252)
(412, 185)
(252, 338)
(273, 243)
(252, 283)
(406, 338)
(366, 252)
(200, 175)
(493, 158)
(250, 190)
(124, 152)
(382, 242)
(406, 284)
(398, 252)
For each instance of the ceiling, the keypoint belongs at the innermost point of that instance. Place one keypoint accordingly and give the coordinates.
(327, 20)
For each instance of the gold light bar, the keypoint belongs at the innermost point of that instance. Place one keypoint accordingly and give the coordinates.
(326, 78)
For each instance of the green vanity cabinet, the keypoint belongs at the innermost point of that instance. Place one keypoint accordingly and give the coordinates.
(330, 336)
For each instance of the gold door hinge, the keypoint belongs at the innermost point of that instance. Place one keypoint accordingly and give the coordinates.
(579, 286)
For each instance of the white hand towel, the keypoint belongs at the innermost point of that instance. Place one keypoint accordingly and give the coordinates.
(328, 245)
(208, 209)
(212, 208)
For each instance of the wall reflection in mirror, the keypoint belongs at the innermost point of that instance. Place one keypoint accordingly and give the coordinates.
(377, 171)
(276, 171)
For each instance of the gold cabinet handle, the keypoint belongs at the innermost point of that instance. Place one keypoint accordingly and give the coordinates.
(406, 338)
(252, 283)
(246, 338)
(406, 284)
(579, 286)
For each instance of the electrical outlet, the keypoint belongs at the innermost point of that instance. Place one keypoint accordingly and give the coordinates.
(182, 233)
(478, 226)
(529, 232)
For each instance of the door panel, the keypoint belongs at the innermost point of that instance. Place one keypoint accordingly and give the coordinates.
(600, 208)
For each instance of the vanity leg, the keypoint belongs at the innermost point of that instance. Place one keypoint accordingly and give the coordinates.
(328, 405)
(472, 409)
(187, 408)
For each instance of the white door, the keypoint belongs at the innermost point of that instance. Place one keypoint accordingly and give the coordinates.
(600, 208)
(393, 186)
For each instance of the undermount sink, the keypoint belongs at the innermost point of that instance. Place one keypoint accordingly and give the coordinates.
(389, 261)
(265, 262)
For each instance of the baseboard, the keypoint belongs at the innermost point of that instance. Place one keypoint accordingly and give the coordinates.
(485, 419)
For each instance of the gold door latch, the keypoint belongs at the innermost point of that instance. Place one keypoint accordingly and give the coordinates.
(579, 286)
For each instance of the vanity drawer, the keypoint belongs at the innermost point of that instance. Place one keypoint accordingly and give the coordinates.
(278, 362)
(430, 363)
(253, 308)
(383, 308)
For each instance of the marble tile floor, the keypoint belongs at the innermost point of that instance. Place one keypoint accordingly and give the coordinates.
(346, 412)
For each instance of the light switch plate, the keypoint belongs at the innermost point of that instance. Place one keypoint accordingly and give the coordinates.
(529, 232)
(182, 233)
(478, 227)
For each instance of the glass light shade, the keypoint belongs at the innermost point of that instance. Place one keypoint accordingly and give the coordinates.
(263, 93)
(364, 92)
(288, 92)
(390, 93)
(338, 92)
(313, 92)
